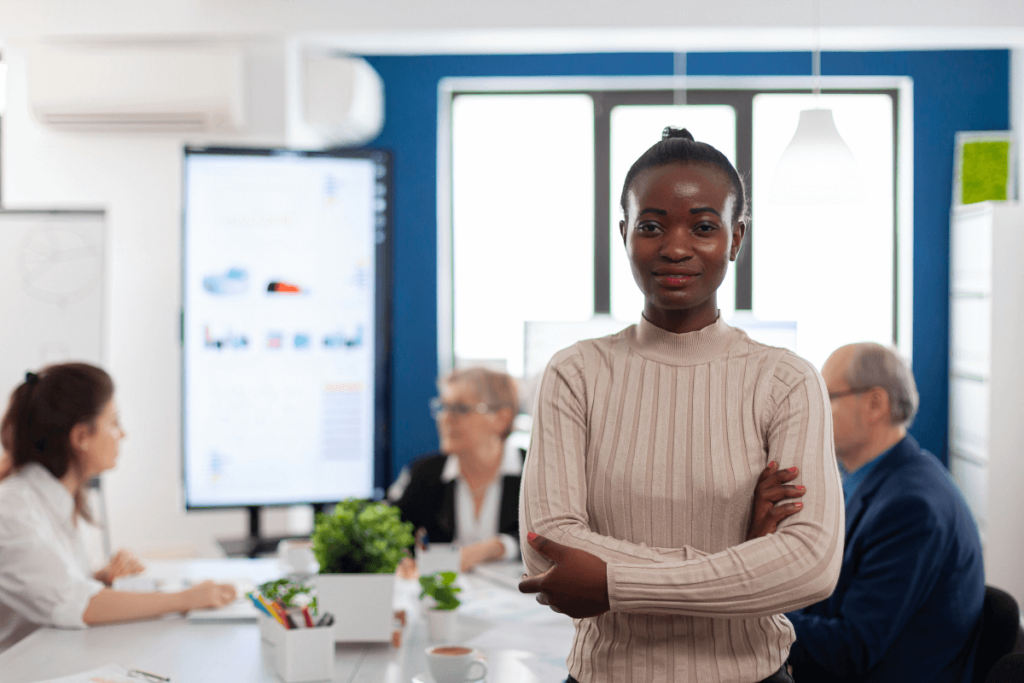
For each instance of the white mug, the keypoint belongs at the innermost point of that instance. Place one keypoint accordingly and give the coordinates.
(297, 557)
(453, 664)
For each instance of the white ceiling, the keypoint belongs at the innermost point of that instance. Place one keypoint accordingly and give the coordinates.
(496, 26)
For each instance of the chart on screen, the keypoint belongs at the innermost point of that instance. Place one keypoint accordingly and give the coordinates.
(280, 273)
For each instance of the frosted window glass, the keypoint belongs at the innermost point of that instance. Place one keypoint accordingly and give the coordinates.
(522, 219)
(634, 128)
(829, 268)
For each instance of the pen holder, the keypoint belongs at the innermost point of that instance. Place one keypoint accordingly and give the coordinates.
(270, 630)
(304, 654)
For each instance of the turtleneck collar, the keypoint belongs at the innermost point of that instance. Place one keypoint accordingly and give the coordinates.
(689, 348)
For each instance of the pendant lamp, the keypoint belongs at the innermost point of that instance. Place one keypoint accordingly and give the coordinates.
(817, 167)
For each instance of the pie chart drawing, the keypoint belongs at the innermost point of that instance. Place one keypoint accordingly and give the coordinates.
(60, 265)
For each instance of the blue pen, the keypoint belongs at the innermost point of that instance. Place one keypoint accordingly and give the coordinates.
(259, 605)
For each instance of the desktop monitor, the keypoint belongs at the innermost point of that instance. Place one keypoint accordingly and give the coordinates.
(284, 325)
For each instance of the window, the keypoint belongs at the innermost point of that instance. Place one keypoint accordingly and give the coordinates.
(828, 268)
(522, 219)
(535, 184)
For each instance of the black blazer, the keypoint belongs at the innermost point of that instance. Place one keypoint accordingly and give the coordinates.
(429, 503)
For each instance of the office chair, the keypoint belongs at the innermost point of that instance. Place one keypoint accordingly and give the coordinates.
(1000, 621)
(1009, 669)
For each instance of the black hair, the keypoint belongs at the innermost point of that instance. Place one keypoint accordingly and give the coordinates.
(677, 146)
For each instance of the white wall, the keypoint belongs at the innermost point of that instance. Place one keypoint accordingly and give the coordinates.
(254, 17)
(137, 178)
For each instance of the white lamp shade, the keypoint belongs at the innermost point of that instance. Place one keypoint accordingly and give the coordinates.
(817, 166)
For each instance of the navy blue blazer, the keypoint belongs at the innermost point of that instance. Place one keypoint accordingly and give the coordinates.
(910, 591)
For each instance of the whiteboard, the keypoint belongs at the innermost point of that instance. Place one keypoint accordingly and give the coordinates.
(51, 290)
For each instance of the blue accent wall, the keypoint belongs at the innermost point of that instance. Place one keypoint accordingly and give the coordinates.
(953, 91)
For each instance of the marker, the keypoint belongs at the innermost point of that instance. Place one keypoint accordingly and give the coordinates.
(269, 609)
(277, 614)
(307, 617)
(259, 605)
(289, 622)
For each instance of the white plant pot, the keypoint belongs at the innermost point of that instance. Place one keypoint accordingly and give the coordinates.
(442, 625)
(362, 605)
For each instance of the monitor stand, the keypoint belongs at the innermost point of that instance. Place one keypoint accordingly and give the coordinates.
(255, 545)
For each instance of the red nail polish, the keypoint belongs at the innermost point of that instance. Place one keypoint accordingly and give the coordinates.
(801, 488)
(792, 469)
(799, 505)
(531, 536)
(771, 464)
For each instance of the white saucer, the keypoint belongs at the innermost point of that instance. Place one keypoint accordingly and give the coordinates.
(424, 677)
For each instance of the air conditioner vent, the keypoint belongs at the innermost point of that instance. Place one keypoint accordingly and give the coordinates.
(140, 89)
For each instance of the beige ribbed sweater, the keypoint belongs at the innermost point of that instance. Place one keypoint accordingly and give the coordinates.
(646, 449)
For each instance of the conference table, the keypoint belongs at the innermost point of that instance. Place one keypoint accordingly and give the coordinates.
(524, 642)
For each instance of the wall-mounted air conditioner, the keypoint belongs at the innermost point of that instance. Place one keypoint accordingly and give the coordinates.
(138, 87)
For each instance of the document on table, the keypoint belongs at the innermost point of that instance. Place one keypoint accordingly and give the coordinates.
(503, 573)
(111, 673)
(241, 610)
(544, 648)
(236, 612)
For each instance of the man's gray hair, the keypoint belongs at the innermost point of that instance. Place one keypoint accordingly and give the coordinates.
(874, 365)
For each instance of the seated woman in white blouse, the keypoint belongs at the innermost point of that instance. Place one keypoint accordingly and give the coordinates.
(60, 430)
(468, 493)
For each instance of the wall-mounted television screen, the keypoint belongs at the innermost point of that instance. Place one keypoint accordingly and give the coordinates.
(285, 325)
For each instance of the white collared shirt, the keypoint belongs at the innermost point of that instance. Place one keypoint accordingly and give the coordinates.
(44, 568)
(469, 527)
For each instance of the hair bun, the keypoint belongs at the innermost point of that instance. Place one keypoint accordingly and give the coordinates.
(671, 132)
(31, 378)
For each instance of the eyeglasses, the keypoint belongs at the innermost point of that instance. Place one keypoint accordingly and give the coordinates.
(849, 392)
(437, 407)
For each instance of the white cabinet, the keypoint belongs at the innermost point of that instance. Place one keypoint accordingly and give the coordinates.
(986, 380)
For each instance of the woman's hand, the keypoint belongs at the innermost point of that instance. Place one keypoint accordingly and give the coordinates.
(207, 595)
(124, 563)
(770, 490)
(576, 584)
(478, 553)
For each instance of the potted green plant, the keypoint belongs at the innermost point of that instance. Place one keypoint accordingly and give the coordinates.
(358, 546)
(439, 589)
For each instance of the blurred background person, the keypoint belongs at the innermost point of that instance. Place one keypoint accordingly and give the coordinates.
(468, 493)
(912, 583)
(60, 430)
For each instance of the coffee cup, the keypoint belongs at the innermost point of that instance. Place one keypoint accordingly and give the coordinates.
(455, 664)
(297, 557)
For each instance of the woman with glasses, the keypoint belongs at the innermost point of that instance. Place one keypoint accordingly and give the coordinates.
(468, 493)
(647, 448)
(60, 430)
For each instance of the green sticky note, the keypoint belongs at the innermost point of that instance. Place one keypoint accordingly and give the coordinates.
(986, 170)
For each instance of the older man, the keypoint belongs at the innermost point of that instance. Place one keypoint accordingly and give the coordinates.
(911, 588)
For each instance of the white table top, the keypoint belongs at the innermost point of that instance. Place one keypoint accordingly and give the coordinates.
(524, 642)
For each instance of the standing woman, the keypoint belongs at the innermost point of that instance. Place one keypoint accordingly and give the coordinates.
(647, 447)
(61, 430)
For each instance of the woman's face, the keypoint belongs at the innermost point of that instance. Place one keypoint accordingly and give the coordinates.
(463, 430)
(680, 236)
(97, 444)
